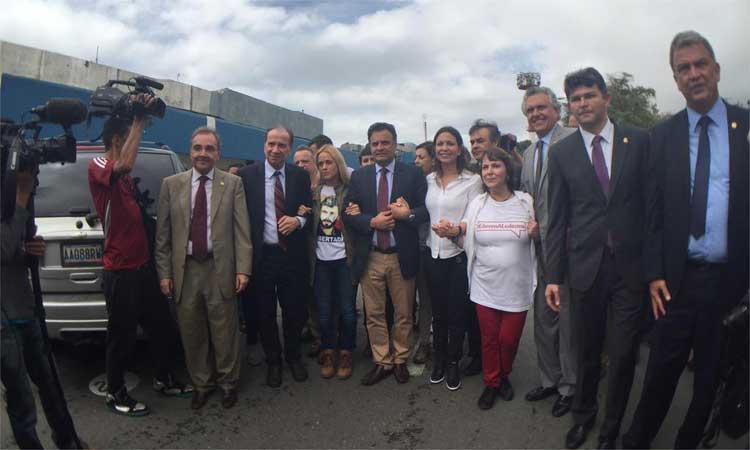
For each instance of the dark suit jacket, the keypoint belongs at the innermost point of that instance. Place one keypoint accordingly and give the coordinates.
(669, 217)
(576, 200)
(296, 192)
(408, 182)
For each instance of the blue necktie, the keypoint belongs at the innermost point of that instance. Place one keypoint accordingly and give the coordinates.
(699, 202)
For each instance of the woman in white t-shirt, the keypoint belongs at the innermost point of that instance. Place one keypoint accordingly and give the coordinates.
(331, 254)
(498, 229)
(450, 188)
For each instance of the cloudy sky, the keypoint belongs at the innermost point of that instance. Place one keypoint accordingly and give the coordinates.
(352, 63)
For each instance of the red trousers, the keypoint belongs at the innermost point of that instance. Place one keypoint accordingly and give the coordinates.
(501, 334)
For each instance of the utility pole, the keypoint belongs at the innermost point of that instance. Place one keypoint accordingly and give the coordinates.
(424, 122)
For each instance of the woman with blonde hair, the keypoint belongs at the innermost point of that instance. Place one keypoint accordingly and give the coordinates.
(331, 254)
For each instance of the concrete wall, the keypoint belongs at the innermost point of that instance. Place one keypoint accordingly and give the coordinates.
(225, 103)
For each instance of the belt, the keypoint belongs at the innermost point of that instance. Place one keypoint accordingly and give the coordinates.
(386, 251)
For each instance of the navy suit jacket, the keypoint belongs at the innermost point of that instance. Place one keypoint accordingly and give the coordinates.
(408, 182)
(669, 215)
(296, 192)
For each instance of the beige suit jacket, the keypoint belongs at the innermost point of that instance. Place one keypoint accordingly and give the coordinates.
(230, 230)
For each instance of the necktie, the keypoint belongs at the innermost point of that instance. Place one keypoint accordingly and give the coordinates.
(699, 202)
(199, 227)
(384, 239)
(278, 202)
(600, 166)
(539, 164)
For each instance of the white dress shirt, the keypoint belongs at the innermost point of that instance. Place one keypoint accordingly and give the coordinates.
(607, 134)
(449, 203)
(389, 178)
(271, 227)
(194, 184)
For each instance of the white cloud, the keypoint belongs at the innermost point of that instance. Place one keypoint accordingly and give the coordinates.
(452, 61)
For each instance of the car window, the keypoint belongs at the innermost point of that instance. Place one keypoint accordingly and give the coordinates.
(64, 188)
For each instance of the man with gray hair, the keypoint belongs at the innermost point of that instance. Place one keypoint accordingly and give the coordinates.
(552, 333)
(697, 253)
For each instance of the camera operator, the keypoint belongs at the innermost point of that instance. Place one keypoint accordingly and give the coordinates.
(131, 287)
(24, 351)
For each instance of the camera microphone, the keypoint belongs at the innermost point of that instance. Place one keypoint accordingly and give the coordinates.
(64, 111)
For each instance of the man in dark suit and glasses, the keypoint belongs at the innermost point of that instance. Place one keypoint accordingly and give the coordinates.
(697, 260)
(390, 196)
(274, 191)
(597, 189)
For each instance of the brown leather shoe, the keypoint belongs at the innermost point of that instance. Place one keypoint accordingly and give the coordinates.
(376, 375)
(229, 399)
(401, 373)
(327, 369)
(345, 365)
(199, 399)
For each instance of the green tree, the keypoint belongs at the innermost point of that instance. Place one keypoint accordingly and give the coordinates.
(631, 104)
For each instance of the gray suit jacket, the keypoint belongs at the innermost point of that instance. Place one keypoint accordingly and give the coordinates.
(230, 230)
(527, 179)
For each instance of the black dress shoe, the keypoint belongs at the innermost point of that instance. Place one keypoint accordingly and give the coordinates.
(607, 444)
(487, 399)
(199, 399)
(273, 377)
(540, 393)
(474, 367)
(401, 372)
(562, 405)
(229, 399)
(299, 373)
(376, 375)
(505, 391)
(577, 435)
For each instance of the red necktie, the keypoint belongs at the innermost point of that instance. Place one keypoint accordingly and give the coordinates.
(384, 238)
(199, 227)
(278, 202)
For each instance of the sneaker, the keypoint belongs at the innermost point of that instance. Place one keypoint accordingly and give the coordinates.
(487, 399)
(438, 373)
(453, 377)
(122, 403)
(172, 388)
(505, 391)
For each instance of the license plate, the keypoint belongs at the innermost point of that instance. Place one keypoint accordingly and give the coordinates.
(82, 254)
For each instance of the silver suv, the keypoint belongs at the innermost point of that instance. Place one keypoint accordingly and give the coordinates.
(71, 270)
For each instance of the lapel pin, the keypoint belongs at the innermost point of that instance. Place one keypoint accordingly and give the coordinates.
(625, 140)
(734, 125)
(221, 183)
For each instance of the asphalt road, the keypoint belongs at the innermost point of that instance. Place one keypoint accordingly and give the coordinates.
(332, 413)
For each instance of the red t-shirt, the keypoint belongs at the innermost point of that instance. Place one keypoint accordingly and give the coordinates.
(125, 245)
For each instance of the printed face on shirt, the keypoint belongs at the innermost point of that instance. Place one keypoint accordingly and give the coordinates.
(329, 170)
(447, 148)
(542, 116)
(277, 147)
(329, 213)
(589, 105)
(697, 76)
(494, 174)
(383, 147)
(204, 152)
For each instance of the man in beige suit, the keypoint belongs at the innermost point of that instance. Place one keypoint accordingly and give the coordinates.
(203, 256)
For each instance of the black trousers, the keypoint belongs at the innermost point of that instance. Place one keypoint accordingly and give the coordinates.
(283, 282)
(449, 292)
(608, 298)
(133, 298)
(693, 321)
(25, 355)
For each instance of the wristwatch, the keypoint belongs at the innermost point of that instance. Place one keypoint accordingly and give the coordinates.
(412, 216)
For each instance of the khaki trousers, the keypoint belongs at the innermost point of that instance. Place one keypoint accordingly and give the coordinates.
(383, 272)
(209, 326)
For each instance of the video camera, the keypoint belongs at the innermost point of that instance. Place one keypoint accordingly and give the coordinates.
(108, 101)
(22, 153)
